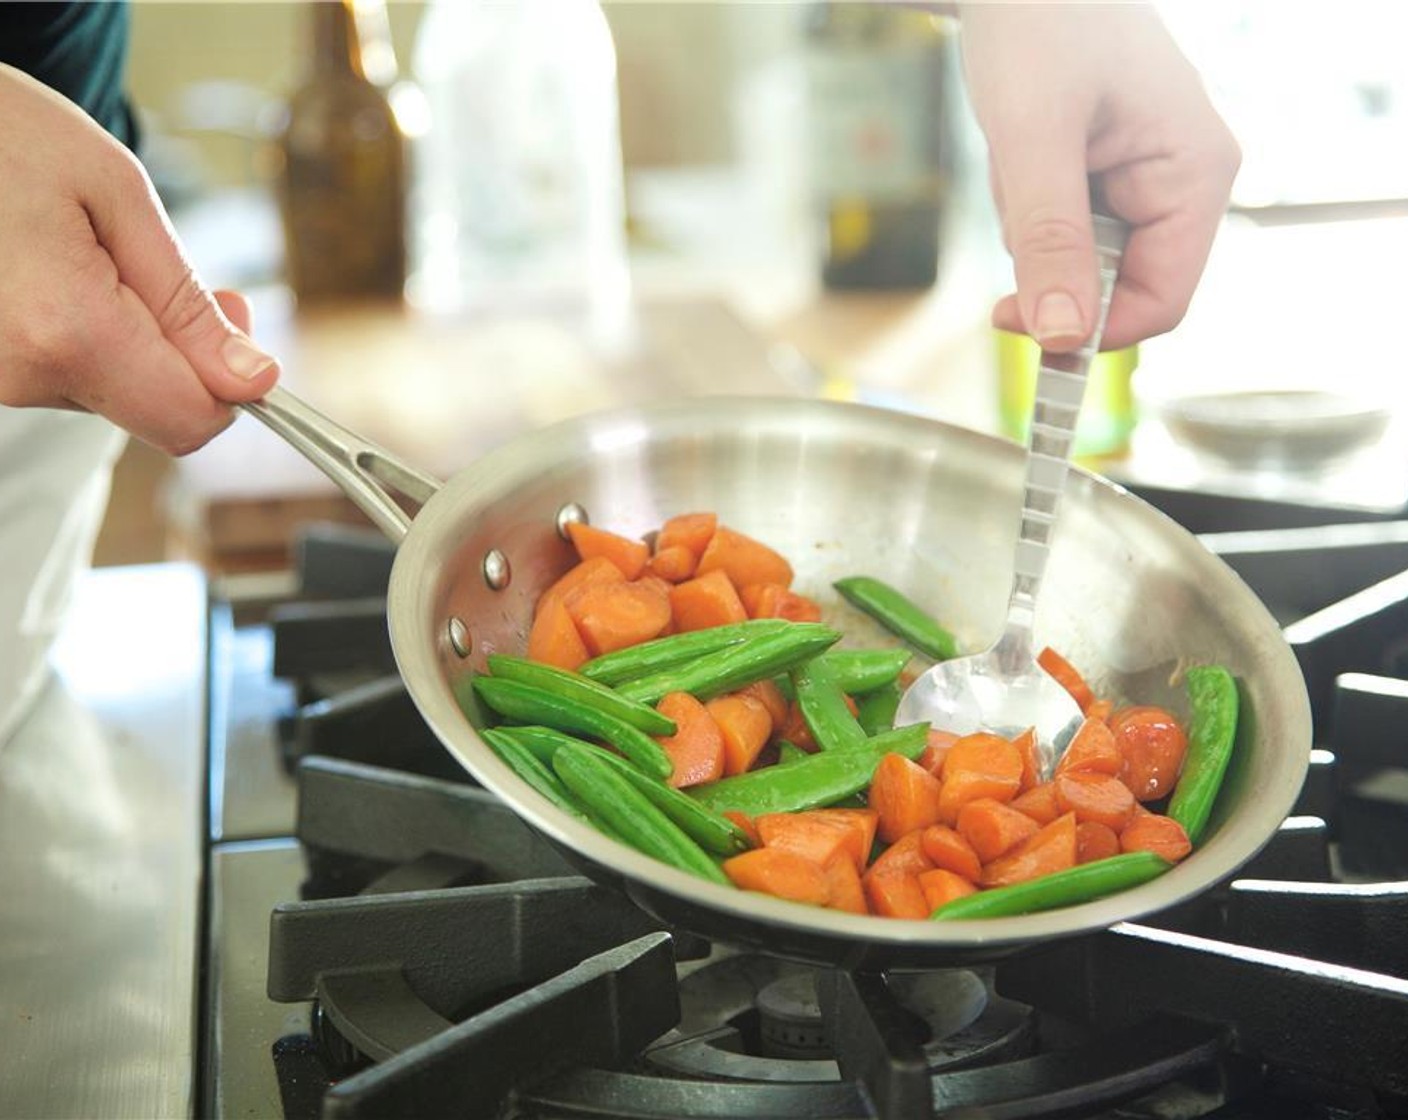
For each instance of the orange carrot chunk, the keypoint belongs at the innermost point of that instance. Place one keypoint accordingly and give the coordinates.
(705, 601)
(697, 747)
(589, 541)
(992, 828)
(743, 559)
(1154, 832)
(554, 640)
(1152, 744)
(687, 530)
(844, 890)
(597, 570)
(942, 885)
(770, 696)
(905, 795)
(1039, 803)
(772, 600)
(813, 838)
(1067, 676)
(1092, 748)
(1095, 797)
(778, 872)
(995, 760)
(946, 847)
(1030, 754)
(1053, 848)
(794, 730)
(896, 894)
(675, 564)
(936, 747)
(858, 826)
(905, 854)
(745, 726)
(611, 616)
(1095, 841)
(745, 822)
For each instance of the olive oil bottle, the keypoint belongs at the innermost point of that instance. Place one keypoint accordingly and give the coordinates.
(342, 181)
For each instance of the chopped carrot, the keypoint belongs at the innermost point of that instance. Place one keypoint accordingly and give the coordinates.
(707, 600)
(942, 885)
(589, 541)
(992, 828)
(772, 600)
(597, 570)
(936, 747)
(1051, 849)
(1095, 841)
(1067, 676)
(1101, 710)
(895, 894)
(1152, 744)
(554, 639)
(858, 827)
(745, 726)
(994, 758)
(946, 847)
(1154, 832)
(675, 564)
(778, 872)
(1095, 797)
(744, 560)
(611, 616)
(794, 730)
(813, 838)
(745, 822)
(1030, 754)
(697, 747)
(1039, 803)
(905, 795)
(905, 854)
(1093, 748)
(844, 890)
(772, 699)
(687, 530)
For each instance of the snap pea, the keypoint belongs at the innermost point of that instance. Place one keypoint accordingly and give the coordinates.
(542, 741)
(628, 812)
(819, 779)
(527, 765)
(898, 614)
(529, 704)
(875, 710)
(573, 686)
(736, 665)
(1212, 731)
(789, 752)
(1082, 883)
(823, 707)
(855, 670)
(635, 661)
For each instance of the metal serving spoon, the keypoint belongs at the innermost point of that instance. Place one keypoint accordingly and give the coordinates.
(1004, 690)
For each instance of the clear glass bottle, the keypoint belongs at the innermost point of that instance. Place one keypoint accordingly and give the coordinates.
(342, 180)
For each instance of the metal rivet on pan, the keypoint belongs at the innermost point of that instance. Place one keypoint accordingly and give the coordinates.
(459, 637)
(496, 570)
(569, 513)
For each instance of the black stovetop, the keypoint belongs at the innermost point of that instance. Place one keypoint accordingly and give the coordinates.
(387, 939)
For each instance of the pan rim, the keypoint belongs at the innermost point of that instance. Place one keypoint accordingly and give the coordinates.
(408, 602)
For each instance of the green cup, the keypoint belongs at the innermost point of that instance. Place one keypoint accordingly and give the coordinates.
(1108, 414)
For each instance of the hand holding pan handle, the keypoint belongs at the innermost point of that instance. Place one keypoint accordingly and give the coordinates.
(368, 474)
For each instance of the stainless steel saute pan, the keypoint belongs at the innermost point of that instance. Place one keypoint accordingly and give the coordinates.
(839, 489)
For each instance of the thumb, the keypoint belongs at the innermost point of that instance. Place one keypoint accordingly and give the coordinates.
(131, 225)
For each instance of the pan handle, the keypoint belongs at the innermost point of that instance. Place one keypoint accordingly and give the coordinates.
(368, 474)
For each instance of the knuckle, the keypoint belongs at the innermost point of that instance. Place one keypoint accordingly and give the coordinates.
(1046, 237)
(188, 309)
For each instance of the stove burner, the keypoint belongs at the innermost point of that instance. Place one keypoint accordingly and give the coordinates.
(789, 1018)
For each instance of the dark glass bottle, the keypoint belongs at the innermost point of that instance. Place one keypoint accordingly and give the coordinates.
(878, 104)
(343, 175)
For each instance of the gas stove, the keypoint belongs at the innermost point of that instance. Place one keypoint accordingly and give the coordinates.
(387, 939)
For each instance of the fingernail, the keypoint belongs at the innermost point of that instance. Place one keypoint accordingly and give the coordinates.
(1058, 321)
(243, 358)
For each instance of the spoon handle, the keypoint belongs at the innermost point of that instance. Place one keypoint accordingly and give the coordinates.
(1060, 385)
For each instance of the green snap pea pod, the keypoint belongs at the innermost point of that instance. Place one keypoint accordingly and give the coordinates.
(789, 752)
(855, 670)
(1082, 883)
(635, 661)
(823, 706)
(574, 686)
(737, 665)
(528, 766)
(811, 782)
(899, 614)
(1212, 731)
(707, 829)
(542, 741)
(875, 710)
(529, 704)
(629, 813)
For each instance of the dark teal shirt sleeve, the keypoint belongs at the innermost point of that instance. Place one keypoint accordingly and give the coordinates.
(78, 49)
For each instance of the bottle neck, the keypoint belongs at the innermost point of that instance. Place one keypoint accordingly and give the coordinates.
(337, 45)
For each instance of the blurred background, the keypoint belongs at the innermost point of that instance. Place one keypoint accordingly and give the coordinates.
(461, 219)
